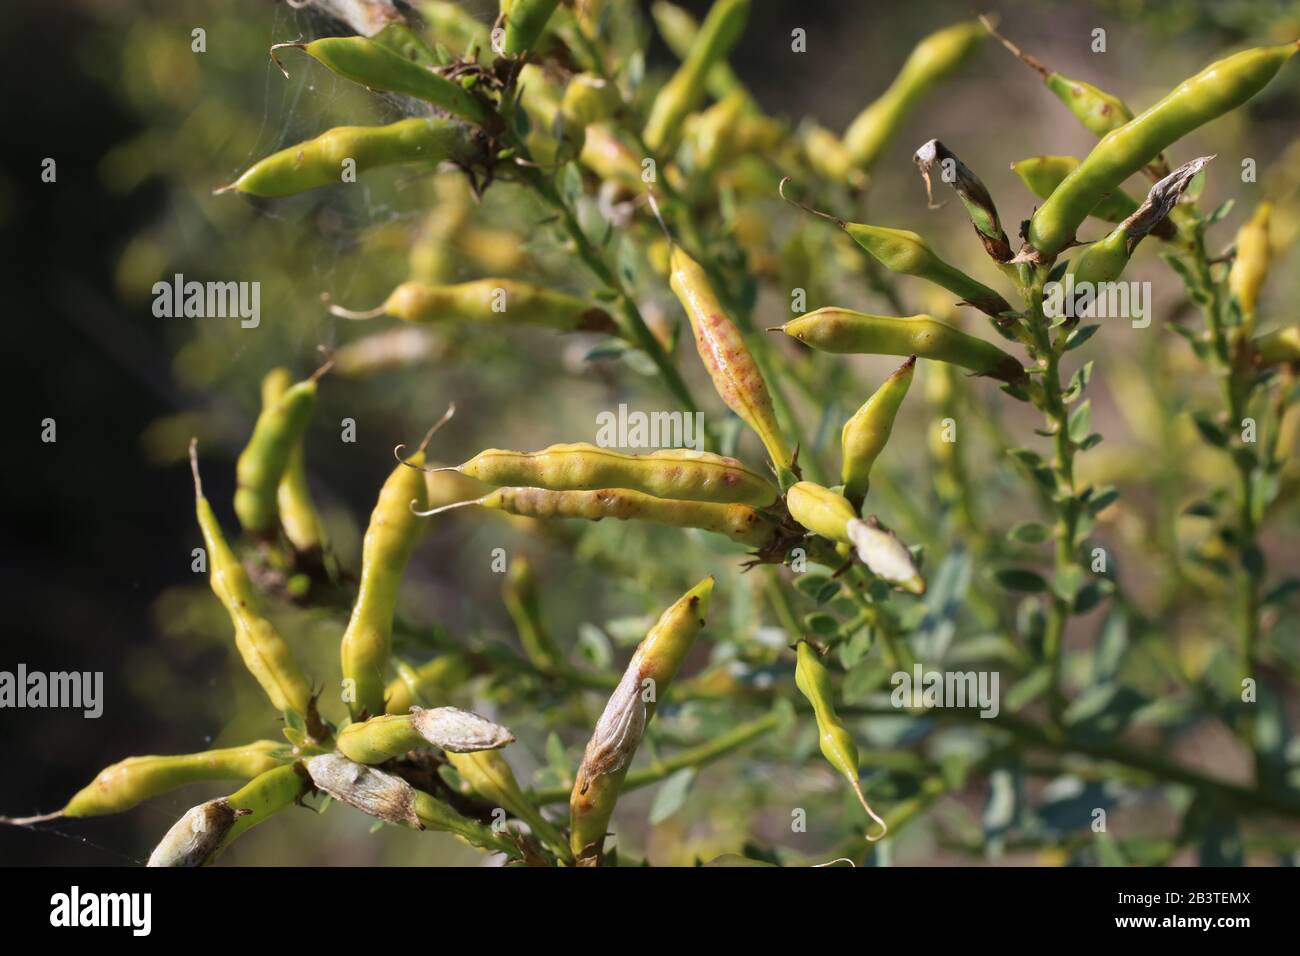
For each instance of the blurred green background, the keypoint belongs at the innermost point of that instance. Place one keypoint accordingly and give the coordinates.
(99, 525)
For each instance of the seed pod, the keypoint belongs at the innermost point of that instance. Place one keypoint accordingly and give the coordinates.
(884, 555)
(416, 685)
(712, 134)
(319, 161)
(387, 546)
(972, 192)
(297, 511)
(933, 60)
(1042, 174)
(448, 728)
(864, 435)
(434, 814)
(610, 158)
(1250, 267)
(525, 21)
(740, 523)
(1218, 88)
(371, 791)
(682, 94)
(1098, 111)
(735, 373)
(843, 331)
(679, 30)
(262, 464)
(500, 301)
(903, 251)
(203, 833)
(828, 157)
(263, 650)
(630, 708)
(129, 782)
(384, 352)
(372, 65)
(520, 594)
(490, 776)
(589, 99)
(820, 510)
(680, 473)
(837, 744)
(1104, 261)
(1280, 345)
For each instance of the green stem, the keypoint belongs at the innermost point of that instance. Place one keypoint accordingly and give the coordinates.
(696, 756)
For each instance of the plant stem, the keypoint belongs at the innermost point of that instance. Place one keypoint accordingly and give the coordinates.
(696, 756)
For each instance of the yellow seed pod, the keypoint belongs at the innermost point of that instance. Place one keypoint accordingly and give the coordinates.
(864, 435)
(820, 510)
(734, 372)
(1250, 267)
(933, 60)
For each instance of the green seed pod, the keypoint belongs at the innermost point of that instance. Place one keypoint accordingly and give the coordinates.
(1218, 88)
(372, 65)
(884, 555)
(203, 833)
(387, 546)
(864, 435)
(128, 782)
(525, 21)
(679, 473)
(320, 161)
(449, 728)
(298, 515)
(589, 99)
(379, 794)
(820, 510)
(837, 744)
(265, 459)
(1250, 267)
(844, 331)
(682, 94)
(933, 60)
(263, 650)
(630, 708)
(500, 301)
(735, 373)
(417, 685)
(1104, 261)
(610, 158)
(828, 157)
(490, 776)
(521, 600)
(905, 252)
(1042, 174)
(740, 523)
(434, 814)
(713, 133)
(1281, 345)
(679, 30)
(972, 192)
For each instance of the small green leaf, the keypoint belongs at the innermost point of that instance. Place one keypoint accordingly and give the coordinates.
(1081, 422)
(672, 794)
(1020, 579)
(1079, 336)
(1029, 532)
(1210, 430)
